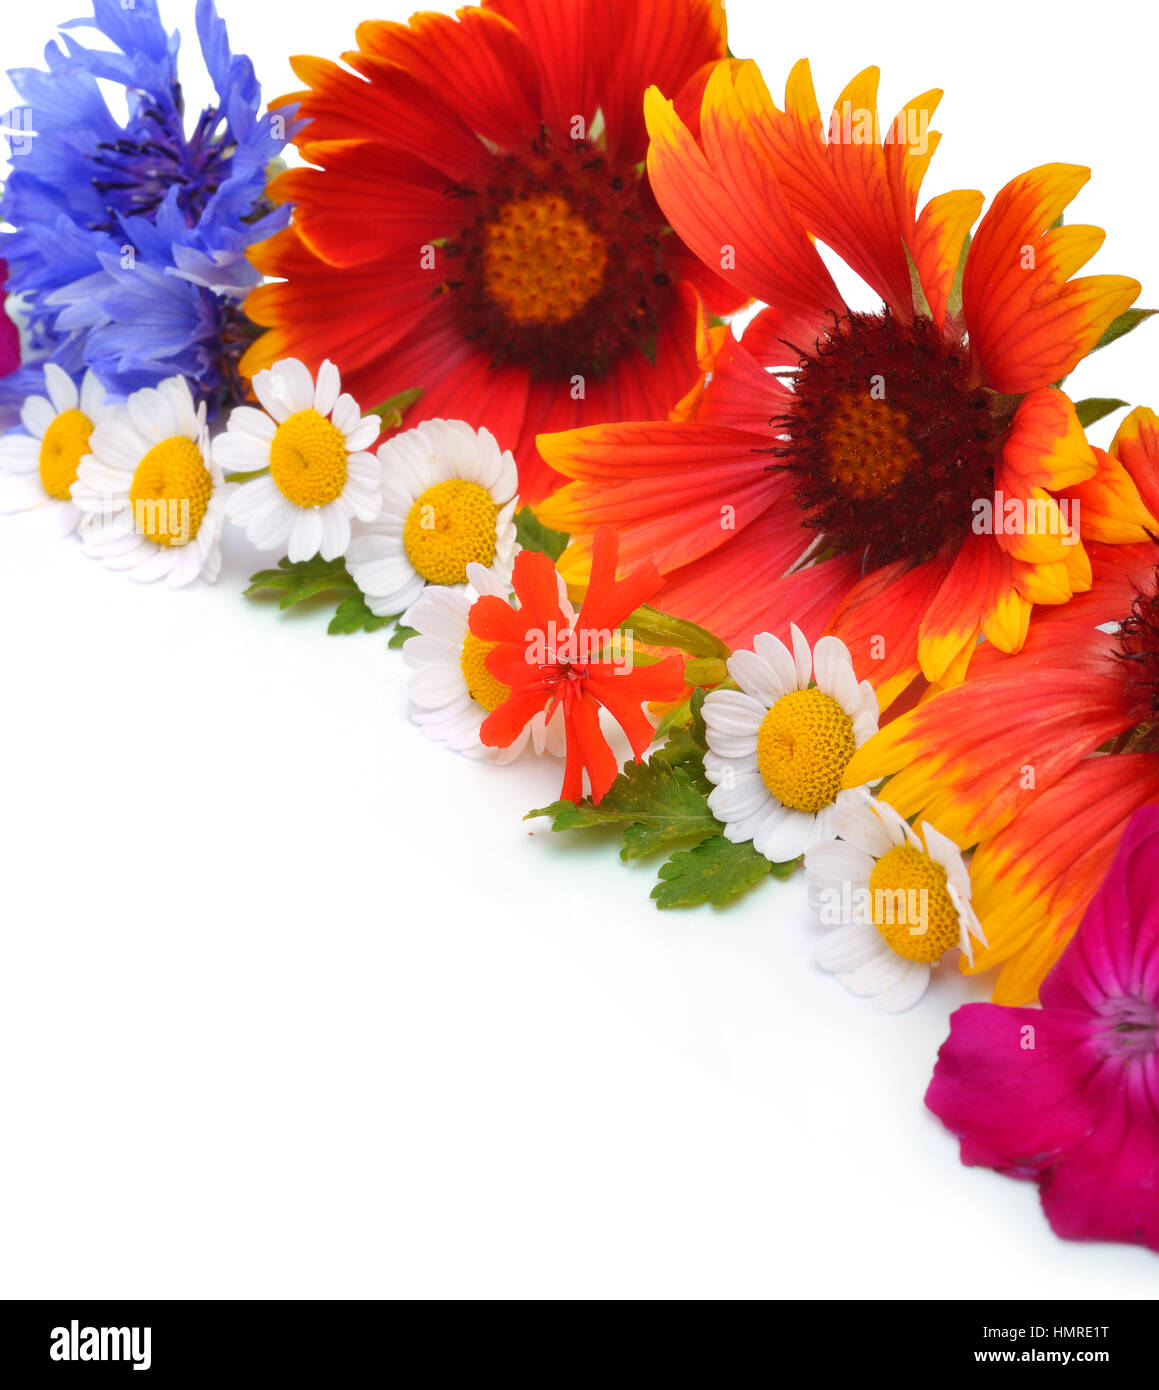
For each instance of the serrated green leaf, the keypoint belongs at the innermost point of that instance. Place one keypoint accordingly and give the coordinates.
(654, 804)
(714, 871)
(1125, 323)
(315, 575)
(400, 635)
(1095, 407)
(533, 535)
(687, 742)
(354, 615)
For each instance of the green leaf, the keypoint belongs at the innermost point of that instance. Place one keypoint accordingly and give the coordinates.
(1095, 407)
(653, 804)
(533, 535)
(303, 579)
(1125, 323)
(307, 579)
(392, 411)
(247, 477)
(400, 635)
(714, 871)
(354, 615)
(687, 741)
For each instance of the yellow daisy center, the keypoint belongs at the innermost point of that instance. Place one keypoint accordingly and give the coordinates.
(542, 262)
(308, 459)
(482, 686)
(804, 744)
(448, 527)
(912, 907)
(869, 449)
(170, 492)
(65, 443)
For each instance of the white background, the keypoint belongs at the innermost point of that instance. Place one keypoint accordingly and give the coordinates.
(294, 1003)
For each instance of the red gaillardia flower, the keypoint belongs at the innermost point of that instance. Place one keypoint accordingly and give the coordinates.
(902, 435)
(546, 657)
(1011, 758)
(479, 223)
(1068, 1095)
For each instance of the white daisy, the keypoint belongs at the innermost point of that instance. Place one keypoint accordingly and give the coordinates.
(154, 500)
(310, 445)
(448, 501)
(779, 746)
(452, 691)
(897, 902)
(39, 468)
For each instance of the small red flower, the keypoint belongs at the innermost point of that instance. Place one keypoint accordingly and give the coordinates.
(547, 656)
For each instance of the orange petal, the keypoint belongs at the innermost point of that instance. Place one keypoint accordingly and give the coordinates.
(725, 202)
(936, 245)
(1110, 507)
(339, 205)
(1136, 446)
(1029, 324)
(880, 620)
(1033, 882)
(953, 618)
(480, 57)
(1046, 443)
(841, 188)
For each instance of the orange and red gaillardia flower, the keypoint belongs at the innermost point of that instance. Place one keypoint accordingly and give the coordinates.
(479, 223)
(1043, 757)
(548, 658)
(889, 428)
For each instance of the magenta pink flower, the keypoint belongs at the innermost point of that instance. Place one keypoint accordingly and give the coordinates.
(1069, 1094)
(9, 337)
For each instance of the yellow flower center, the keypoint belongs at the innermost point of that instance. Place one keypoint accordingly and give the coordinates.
(449, 526)
(912, 907)
(803, 747)
(308, 459)
(542, 262)
(170, 492)
(65, 443)
(482, 686)
(869, 450)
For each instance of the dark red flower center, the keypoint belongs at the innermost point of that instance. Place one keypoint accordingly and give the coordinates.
(1138, 651)
(1128, 1027)
(561, 262)
(888, 443)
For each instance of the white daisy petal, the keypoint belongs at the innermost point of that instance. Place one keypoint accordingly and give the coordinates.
(245, 419)
(907, 991)
(297, 385)
(61, 388)
(36, 415)
(849, 947)
(19, 453)
(327, 388)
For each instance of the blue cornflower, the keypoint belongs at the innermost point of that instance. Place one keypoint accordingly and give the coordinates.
(130, 240)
